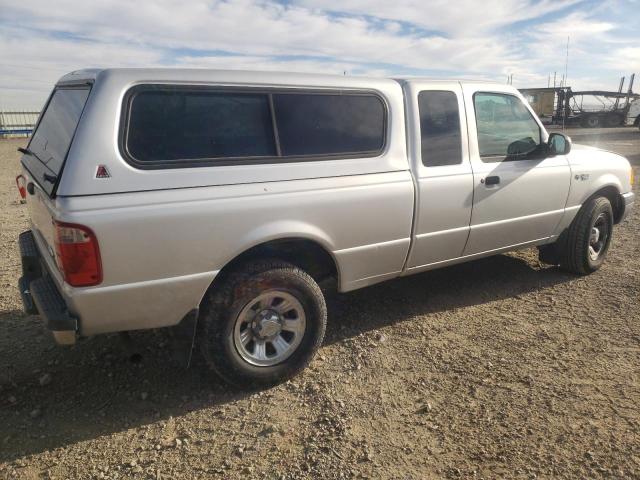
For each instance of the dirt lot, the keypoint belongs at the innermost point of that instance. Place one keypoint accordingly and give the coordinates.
(500, 368)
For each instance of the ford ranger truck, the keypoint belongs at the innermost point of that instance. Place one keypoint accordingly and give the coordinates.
(221, 199)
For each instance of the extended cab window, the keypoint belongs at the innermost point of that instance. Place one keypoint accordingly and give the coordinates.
(181, 126)
(506, 128)
(440, 128)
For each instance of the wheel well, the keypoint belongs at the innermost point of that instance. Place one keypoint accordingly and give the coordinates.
(612, 194)
(306, 254)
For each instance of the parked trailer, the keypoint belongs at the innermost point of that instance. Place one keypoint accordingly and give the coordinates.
(613, 112)
(588, 108)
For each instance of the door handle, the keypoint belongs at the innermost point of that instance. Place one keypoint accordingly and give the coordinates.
(492, 180)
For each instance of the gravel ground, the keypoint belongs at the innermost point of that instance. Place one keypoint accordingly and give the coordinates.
(499, 368)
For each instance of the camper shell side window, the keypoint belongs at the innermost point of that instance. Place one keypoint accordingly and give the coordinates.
(167, 126)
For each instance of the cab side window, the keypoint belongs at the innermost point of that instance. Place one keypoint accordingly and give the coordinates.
(439, 128)
(506, 128)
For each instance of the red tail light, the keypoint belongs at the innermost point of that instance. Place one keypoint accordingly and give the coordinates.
(78, 255)
(21, 182)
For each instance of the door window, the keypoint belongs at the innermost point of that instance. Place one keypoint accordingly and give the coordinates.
(506, 128)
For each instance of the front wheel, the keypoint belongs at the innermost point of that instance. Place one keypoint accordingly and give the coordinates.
(589, 237)
(263, 324)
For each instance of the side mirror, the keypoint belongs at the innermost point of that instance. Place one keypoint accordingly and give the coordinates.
(559, 144)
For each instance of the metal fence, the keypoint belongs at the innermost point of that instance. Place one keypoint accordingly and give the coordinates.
(17, 124)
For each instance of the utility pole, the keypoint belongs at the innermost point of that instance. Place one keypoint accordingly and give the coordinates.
(566, 74)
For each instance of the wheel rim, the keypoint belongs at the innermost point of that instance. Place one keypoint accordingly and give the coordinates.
(598, 237)
(269, 328)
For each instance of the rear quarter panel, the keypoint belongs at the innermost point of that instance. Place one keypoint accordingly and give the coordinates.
(161, 250)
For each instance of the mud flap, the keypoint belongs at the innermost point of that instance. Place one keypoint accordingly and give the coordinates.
(183, 337)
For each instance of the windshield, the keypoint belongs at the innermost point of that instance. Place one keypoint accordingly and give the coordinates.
(52, 138)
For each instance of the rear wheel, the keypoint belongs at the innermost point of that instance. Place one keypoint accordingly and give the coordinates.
(263, 325)
(588, 237)
(615, 120)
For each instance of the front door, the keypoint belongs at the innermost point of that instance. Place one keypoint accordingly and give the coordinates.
(519, 193)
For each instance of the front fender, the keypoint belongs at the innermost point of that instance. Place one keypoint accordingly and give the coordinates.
(602, 181)
(593, 169)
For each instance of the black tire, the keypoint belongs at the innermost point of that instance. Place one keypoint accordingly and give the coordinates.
(592, 121)
(576, 256)
(222, 307)
(615, 120)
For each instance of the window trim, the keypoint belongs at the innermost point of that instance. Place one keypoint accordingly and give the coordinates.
(475, 118)
(130, 94)
(461, 127)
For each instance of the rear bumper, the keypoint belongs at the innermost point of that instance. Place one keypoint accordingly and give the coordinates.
(40, 295)
(628, 200)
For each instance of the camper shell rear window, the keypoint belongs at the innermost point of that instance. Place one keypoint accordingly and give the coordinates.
(167, 126)
(51, 140)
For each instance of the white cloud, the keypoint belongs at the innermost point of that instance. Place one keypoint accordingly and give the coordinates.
(626, 58)
(488, 39)
(459, 18)
(260, 28)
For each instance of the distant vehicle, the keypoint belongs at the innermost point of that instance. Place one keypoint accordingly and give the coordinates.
(222, 199)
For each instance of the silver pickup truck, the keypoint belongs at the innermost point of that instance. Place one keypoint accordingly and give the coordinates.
(221, 199)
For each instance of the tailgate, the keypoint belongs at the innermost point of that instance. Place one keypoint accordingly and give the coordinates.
(44, 158)
(42, 212)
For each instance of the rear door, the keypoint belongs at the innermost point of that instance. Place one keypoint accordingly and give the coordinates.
(519, 192)
(47, 151)
(444, 180)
